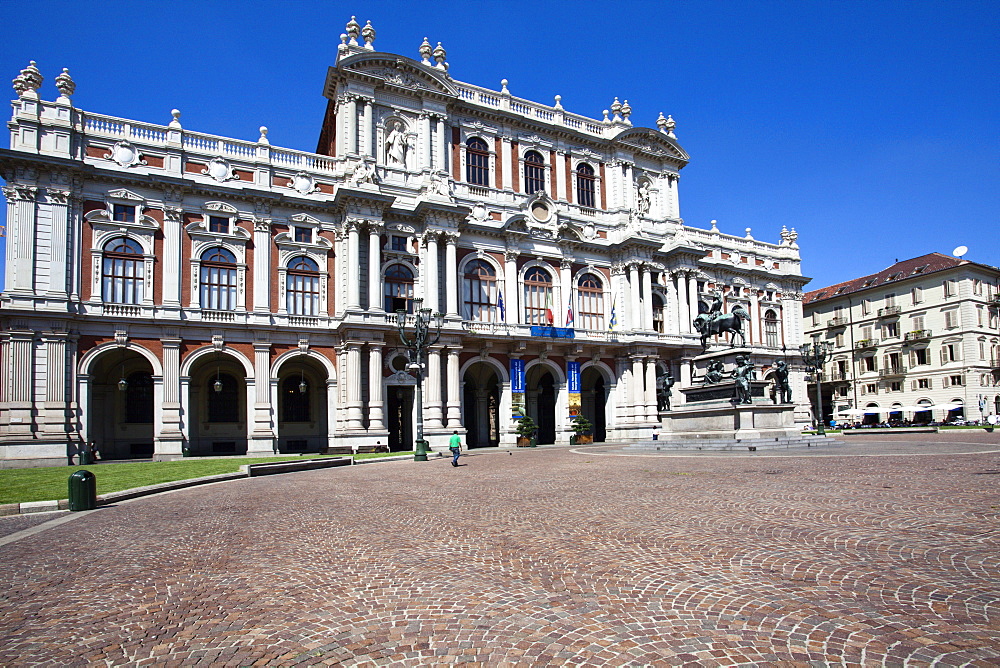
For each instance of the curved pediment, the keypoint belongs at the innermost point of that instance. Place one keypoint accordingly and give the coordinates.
(399, 71)
(652, 141)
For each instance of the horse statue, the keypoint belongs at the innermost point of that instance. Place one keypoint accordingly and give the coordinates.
(708, 324)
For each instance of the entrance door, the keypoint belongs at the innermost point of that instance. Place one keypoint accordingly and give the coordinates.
(399, 418)
(546, 409)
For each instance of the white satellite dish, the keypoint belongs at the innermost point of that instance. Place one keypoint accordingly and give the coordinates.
(960, 251)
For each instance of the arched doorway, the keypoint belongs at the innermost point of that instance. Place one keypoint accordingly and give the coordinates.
(302, 406)
(121, 415)
(541, 402)
(594, 402)
(217, 405)
(481, 399)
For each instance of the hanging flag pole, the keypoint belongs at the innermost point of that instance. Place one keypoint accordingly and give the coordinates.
(549, 316)
(613, 322)
(569, 310)
(503, 311)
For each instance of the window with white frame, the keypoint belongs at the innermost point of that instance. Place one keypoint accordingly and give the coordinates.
(866, 306)
(585, 185)
(890, 330)
(398, 289)
(218, 224)
(951, 319)
(659, 321)
(303, 235)
(477, 162)
(890, 300)
(218, 280)
(479, 289)
(590, 302)
(949, 353)
(916, 295)
(771, 329)
(534, 172)
(537, 297)
(977, 286)
(122, 271)
(302, 286)
(950, 288)
(123, 213)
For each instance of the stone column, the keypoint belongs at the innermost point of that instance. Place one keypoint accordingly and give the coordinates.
(374, 267)
(170, 440)
(451, 273)
(755, 335)
(635, 304)
(59, 203)
(427, 159)
(353, 380)
(368, 140)
(54, 413)
(638, 399)
(565, 289)
(262, 267)
(433, 387)
(431, 292)
(375, 401)
(171, 260)
(454, 405)
(682, 308)
(684, 380)
(353, 264)
(440, 160)
(261, 440)
(20, 382)
(692, 300)
(21, 222)
(352, 124)
(671, 310)
(651, 413)
(511, 290)
(647, 299)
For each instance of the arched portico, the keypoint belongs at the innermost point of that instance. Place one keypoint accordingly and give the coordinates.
(595, 387)
(545, 399)
(217, 386)
(300, 392)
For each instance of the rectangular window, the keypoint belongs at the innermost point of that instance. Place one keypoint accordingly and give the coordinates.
(923, 383)
(920, 356)
(917, 295)
(868, 363)
(866, 306)
(951, 319)
(950, 288)
(890, 299)
(896, 386)
(123, 213)
(979, 315)
(815, 317)
(866, 332)
(977, 286)
(303, 235)
(890, 330)
(871, 388)
(840, 340)
(398, 244)
(955, 380)
(218, 224)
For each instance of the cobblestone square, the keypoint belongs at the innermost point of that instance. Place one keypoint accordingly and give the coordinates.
(877, 552)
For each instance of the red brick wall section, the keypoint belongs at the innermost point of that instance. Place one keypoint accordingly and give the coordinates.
(86, 262)
(153, 160)
(604, 190)
(87, 343)
(456, 154)
(498, 151)
(194, 167)
(331, 263)
(157, 215)
(243, 175)
(96, 151)
(555, 181)
(515, 173)
(569, 179)
(248, 226)
(186, 257)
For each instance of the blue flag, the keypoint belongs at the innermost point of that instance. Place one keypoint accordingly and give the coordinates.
(503, 311)
(614, 320)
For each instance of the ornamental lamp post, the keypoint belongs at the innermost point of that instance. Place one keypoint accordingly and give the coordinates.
(815, 355)
(417, 344)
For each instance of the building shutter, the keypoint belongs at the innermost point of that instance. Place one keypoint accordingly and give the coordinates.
(944, 382)
(913, 385)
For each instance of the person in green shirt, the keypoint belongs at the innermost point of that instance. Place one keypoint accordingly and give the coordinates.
(455, 445)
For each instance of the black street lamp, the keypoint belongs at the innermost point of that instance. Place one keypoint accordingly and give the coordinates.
(417, 344)
(815, 355)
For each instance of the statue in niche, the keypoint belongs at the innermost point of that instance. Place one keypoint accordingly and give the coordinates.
(784, 389)
(364, 173)
(713, 374)
(743, 373)
(643, 197)
(663, 384)
(396, 145)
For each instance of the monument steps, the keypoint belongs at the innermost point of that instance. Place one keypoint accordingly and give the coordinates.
(708, 442)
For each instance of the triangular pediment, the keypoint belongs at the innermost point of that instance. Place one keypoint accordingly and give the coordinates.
(399, 71)
(652, 141)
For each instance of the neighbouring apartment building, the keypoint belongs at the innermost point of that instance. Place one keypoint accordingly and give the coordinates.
(170, 292)
(916, 341)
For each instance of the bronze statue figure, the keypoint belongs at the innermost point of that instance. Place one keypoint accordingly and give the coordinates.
(784, 390)
(663, 384)
(713, 373)
(743, 373)
(712, 323)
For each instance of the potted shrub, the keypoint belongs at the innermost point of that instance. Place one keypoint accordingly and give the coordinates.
(581, 427)
(525, 431)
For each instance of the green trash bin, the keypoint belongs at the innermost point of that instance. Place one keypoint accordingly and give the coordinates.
(82, 490)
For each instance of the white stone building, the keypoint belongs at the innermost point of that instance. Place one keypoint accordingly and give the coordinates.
(921, 333)
(173, 292)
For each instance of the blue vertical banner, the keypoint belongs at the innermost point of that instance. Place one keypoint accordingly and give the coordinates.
(573, 376)
(516, 375)
(517, 407)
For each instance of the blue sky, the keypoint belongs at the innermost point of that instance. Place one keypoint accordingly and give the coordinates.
(870, 127)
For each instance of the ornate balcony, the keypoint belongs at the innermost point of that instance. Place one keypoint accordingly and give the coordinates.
(889, 310)
(917, 335)
(836, 322)
(892, 371)
(866, 343)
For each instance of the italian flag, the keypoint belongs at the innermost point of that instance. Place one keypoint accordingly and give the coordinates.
(548, 308)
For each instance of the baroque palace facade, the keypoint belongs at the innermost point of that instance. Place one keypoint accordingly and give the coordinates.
(169, 292)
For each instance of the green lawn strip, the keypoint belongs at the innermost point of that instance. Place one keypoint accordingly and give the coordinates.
(51, 483)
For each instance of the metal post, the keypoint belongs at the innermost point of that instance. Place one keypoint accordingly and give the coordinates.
(815, 357)
(418, 344)
(820, 428)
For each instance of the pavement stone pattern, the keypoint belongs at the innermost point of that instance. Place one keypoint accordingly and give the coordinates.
(876, 553)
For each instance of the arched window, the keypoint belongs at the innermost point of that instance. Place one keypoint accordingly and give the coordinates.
(139, 398)
(122, 273)
(302, 287)
(218, 280)
(223, 406)
(659, 323)
(771, 336)
(480, 291)
(534, 172)
(398, 289)
(538, 297)
(585, 191)
(477, 162)
(295, 402)
(590, 302)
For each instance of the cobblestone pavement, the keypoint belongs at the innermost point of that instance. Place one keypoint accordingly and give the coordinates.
(543, 556)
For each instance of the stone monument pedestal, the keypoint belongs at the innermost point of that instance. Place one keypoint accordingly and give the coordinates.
(724, 420)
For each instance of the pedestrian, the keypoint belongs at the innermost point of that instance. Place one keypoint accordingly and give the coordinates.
(455, 445)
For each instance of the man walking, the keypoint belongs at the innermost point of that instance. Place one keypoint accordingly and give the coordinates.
(455, 445)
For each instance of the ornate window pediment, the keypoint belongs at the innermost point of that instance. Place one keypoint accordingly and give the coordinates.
(218, 221)
(123, 211)
(398, 71)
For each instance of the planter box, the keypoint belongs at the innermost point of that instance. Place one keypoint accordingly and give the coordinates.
(581, 439)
